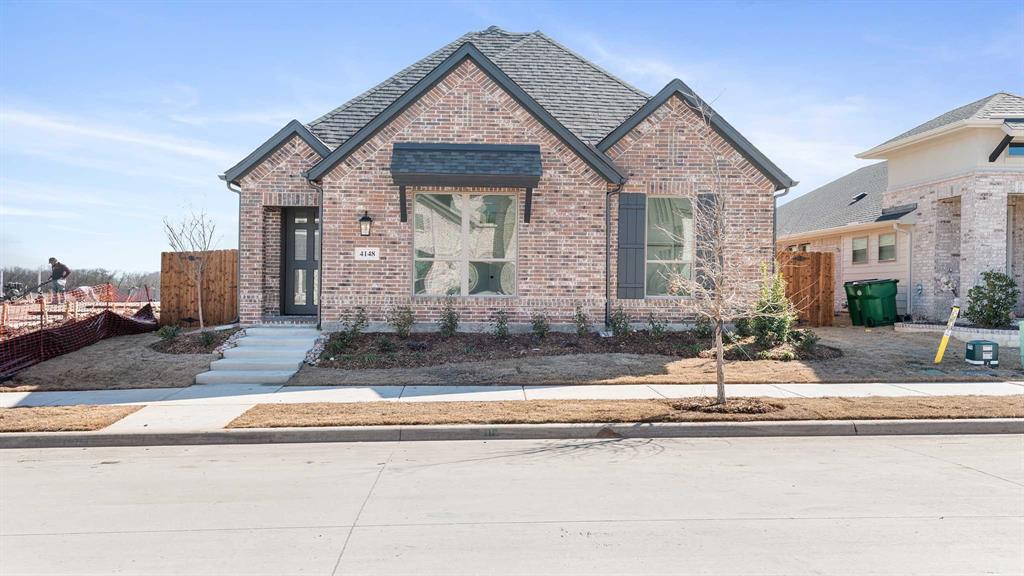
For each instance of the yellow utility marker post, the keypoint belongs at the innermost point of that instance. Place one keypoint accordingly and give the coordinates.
(953, 313)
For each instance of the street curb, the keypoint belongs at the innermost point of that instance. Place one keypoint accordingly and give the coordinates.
(515, 432)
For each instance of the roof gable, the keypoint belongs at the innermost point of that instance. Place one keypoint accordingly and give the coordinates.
(293, 128)
(720, 125)
(997, 106)
(598, 161)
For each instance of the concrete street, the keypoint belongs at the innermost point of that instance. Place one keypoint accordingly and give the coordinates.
(780, 506)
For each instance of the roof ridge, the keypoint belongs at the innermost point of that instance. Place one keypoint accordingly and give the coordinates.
(572, 53)
(513, 47)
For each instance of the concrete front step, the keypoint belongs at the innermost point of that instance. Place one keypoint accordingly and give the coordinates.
(257, 363)
(244, 377)
(276, 341)
(262, 331)
(297, 352)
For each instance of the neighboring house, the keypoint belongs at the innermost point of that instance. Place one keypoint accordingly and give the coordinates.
(945, 204)
(494, 172)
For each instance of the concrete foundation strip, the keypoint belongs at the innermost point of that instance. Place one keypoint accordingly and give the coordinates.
(515, 432)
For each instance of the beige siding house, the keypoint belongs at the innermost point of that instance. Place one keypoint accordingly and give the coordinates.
(946, 203)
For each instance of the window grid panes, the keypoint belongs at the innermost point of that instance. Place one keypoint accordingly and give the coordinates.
(860, 250)
(670, 242)
(886, 247)
(465, 244)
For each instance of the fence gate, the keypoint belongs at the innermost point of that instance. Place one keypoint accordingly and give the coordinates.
(178, 293)
(810, 285)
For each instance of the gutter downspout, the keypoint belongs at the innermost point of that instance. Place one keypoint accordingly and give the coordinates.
(608, 252)
(320, 255)
(775, 223)
(238, 266)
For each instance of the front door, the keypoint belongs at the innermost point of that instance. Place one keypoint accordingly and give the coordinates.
(301, 270)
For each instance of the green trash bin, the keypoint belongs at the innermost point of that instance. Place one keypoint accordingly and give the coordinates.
(875, 302)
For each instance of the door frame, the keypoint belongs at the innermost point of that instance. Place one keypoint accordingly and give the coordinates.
(286, 271)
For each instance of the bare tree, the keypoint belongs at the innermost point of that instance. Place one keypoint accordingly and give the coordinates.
(193, 236)
(718, 283)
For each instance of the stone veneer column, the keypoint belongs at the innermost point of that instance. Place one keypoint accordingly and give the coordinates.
(982, 230)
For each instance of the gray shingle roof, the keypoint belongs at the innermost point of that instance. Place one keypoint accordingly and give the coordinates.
(998, 105)
(587, 100)
(833, 204)
(418, 164)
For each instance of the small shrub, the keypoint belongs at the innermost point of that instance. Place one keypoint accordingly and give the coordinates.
(500, 325)
(619, 324)
(338, 344)
(539, 325)
(774, 315)
(582, 321)
(168, 332)
(787, 356)
(401, 319)
(385, 345)
(207, 338)
(764, 355)
(991, 303)
(743, 329)
(805, 340)
(658, 328)
(358, 323)
(448, 323)
(703, 329)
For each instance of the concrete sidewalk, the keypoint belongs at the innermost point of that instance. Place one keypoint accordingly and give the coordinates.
(211, 407)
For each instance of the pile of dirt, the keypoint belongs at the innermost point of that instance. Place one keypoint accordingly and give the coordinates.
(194, 343)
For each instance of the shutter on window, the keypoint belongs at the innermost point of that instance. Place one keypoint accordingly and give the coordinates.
(706, 221)
(632, 224)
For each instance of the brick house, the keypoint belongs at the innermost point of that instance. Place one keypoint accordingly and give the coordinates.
(947, 203)
(491, 173)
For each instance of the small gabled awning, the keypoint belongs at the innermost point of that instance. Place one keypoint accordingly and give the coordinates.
(468, 165)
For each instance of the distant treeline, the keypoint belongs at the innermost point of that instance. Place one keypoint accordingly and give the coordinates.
(123, 281)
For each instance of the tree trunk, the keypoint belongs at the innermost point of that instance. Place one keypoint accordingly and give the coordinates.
(199, 297)
(720, 361)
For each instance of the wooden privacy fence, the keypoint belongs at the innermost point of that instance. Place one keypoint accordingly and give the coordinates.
(178, 293)
(810, 285)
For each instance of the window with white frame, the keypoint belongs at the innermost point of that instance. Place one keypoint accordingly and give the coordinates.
(860, 250)
(887, 247)
(669, 245)
(464, 244)
(805, 247)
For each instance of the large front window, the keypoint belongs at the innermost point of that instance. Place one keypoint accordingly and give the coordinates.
(669, 245)
(465, 244)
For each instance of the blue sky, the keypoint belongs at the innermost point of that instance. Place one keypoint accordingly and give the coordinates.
(114, 115)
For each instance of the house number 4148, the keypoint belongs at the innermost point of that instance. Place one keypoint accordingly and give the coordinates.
(367, 254)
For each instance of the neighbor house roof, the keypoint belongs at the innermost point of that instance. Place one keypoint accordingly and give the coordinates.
(840, 203)
(990, 109)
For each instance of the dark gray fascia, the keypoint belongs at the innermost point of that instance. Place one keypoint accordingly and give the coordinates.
(293, 128)
(598, 161)
(723, 128)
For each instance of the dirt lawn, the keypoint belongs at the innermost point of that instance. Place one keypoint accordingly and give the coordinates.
(876, 355)
(120, 362)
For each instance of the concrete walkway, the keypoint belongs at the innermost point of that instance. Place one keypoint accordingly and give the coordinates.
(210, 407)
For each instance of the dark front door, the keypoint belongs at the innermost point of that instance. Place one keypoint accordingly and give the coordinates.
(301, 269)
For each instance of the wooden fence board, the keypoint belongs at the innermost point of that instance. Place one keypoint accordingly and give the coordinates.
(810, 285)
(178, 305)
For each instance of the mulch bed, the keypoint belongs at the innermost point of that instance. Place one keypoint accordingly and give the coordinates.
(194, 343)
(627, 411)
(432, 349)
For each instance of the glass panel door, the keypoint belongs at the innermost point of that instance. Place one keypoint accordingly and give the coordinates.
(300, 269)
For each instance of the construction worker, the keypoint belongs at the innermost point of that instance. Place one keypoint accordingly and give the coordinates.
(59, 276)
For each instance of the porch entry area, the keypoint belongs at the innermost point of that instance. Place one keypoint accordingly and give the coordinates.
(300, 268)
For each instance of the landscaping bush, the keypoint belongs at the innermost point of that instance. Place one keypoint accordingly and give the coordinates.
(207, 338)
(658, 328)
(401, 319)
(774, 315)
(500, 329)
(358, 323)
(448, 323)
(385, 345)
(805, 340)
(539, 325)
(991, 303)
(168, 332)
(582, 322)
(619, 323)
(703, 328)
(338, 344)
(743, 328)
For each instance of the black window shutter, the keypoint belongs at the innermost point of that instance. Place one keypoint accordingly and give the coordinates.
(632, 236)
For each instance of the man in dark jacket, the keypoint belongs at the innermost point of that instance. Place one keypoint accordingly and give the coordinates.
(59, 276)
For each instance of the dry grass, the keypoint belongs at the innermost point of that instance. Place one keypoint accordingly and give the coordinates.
(61, 418)
(615, 411)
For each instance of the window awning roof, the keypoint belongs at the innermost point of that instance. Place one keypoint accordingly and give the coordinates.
(490, 165)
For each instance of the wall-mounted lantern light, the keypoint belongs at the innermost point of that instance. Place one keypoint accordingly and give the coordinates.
(365, 223)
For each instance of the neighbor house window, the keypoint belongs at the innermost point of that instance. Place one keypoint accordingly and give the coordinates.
(887, 247)
(1016, 149)
(860, 250)
(464, 244)
(669, 245)
(805, 247)
(791, 248)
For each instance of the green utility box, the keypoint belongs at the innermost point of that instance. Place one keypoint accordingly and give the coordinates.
(871, 302)
(983, 353)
